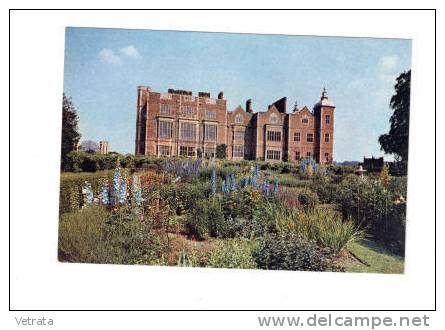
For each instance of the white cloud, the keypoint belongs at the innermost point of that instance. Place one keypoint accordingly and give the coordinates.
(389, 62)
(107, 55)
(130, 51)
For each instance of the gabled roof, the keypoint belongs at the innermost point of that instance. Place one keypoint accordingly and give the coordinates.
(304, 110)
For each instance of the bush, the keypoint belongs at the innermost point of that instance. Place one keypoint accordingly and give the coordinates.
(206, 219)
(288, 251)
(233, 254)
(381, 211)
(183, 197)
(93, 236)
(221, 151)
(92, 162)
(308, 199)
(325, 189)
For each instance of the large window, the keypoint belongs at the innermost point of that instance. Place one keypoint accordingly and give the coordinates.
(187, 111)
(326, 137)
(210, 113)
(209, 132)
(186, 151)
(273, 154)
(165, 109)
(165, 129)
(297, 155)
(297, 137)
(238, 136)
(164, 150)
(273, 136)
(188, 131)
(328, 119)
(308, 154)
(238, 151)
(310, 137)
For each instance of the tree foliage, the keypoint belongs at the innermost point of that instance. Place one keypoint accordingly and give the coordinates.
(70, 130)
(396, 140)
(221, 151)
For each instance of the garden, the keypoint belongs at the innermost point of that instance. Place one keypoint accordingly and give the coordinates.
(226, 214)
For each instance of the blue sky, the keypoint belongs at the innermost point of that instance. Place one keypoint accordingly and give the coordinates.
(103, 68)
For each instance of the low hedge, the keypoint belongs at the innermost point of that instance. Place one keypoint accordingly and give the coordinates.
(70, 194)
(87, 162)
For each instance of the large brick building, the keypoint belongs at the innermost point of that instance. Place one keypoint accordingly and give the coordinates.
(177, 123)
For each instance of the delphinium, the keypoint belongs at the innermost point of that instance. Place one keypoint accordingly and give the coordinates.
(104, 193)
(223, 186)
(254, 181)
(266, 187)
(122, 193)
(88, 193)
(227, 183)
(257, 170)
(213, 181)
(136, 190)
(183, 168)
(233, 182)
(276, 187)
(116, 184)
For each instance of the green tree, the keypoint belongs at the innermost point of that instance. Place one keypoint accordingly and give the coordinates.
(221, 151)
(70, 131)
(396, 140)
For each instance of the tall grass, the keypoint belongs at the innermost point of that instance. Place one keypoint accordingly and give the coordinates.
(324, 226)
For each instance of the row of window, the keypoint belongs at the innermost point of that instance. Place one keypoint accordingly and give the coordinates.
(238, 151)
(187, 131)
(327, 120)
(310, 137)
(187, 111)
(186, 151)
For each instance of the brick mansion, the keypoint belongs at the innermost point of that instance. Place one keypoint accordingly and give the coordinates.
(177, 123)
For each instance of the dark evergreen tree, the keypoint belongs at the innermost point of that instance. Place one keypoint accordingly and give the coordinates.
(70, 131)
(221, 151)
(396, 140)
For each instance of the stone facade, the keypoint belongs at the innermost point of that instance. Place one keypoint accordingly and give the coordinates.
(177, 123)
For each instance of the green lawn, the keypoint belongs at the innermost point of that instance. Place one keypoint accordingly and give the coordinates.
(377, 259)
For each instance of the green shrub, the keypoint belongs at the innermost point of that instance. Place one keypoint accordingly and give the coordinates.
(381, 211)
(221, 151)
(288, 251)
(183, 197)
(233, 253)
(92, 235)
(308, 199)
(206, 219)
(92, 162)
(325, 189)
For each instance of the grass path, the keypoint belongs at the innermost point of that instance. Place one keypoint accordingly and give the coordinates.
(375, 259)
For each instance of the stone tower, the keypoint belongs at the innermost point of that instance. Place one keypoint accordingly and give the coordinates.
(103, 147)
(324, 113)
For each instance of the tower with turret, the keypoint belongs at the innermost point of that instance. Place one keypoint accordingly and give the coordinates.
(324, 114)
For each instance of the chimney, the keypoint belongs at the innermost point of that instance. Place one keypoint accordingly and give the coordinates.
(221, 95)
(249, 106)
